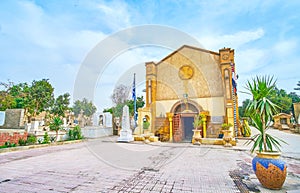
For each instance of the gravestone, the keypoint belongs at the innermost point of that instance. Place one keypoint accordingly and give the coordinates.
(34, 126)
(14, 119)
(125, 132)
(108, 120)
(96, 119)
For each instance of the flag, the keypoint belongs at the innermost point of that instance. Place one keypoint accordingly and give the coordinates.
(133, 89)
(134, 98)
(234, 85)
(232, 67)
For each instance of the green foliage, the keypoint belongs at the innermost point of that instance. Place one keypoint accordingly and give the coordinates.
(261, 110)
(86, 106)
(242, 109)
(295, 98)
(56, 125)
(46, 138)
(109, 110)
(118, 109)
(40, 97)
(61, 105)
(9, 144)
(13, 96)
(31, 139)
(146, 125)
(298, 86)
(75, 133)
(22, 142)
(280, 97)
(258, 139)
(226, 126)
(198, 122)
(34, 98)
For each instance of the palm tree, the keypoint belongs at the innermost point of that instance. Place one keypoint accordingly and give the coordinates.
(55, 125)
(261, 110)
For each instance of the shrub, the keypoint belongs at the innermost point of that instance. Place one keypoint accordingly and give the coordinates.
(75, 133)
(46, 138)
(22, 142)
(70, 133)
(31, 139)
(9, 144)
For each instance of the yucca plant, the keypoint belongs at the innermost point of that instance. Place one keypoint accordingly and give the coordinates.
(198, 122)
(56, 125)
(261, 110)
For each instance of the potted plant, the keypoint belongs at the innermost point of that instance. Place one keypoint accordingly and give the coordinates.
(226, 137)
(146, 125)
(269, 169)
(197, 124)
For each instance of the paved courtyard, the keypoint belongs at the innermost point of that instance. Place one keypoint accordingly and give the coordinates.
(102, 165)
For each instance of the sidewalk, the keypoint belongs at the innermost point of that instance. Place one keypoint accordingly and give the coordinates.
(102, 165)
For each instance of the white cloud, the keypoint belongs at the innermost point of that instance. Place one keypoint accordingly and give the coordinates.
(250, 60)
(215, 41)
(115, 14)
(285, 47)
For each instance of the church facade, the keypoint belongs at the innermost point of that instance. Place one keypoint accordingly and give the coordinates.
(187, 82)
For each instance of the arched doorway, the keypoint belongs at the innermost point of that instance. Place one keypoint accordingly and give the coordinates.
(184, 112)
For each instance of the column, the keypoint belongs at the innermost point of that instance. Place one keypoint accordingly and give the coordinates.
(170, 118)
(204, 115)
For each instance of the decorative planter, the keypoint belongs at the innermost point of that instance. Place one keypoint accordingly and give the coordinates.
(269, 169)
(227, 138)
(196, 137)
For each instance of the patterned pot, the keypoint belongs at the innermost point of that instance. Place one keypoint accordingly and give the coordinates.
(269, 169)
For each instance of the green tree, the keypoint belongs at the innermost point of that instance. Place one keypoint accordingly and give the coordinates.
(242, 109)
(295, 98)
(86, 106)
(56, 125)
(6, 100)
(61, 105)
(40, 97)
(261, 110)
(281, 98)
(298, 84)
(118, 109)
(139, 104)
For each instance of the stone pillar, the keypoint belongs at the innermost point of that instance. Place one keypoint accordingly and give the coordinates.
(170, 118)
(204, 115)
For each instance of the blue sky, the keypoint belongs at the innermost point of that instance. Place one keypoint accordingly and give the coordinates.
(50, 39)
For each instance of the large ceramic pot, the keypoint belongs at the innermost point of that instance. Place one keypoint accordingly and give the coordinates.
(227, 138)
(196, 137)
(269, 169)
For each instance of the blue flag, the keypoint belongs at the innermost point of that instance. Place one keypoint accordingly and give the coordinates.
(134, 98)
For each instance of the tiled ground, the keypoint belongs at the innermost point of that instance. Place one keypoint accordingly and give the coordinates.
(105, 166)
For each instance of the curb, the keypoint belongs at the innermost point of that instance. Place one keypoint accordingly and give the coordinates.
(21, 148)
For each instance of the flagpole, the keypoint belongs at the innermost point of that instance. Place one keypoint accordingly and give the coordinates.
(134, 100)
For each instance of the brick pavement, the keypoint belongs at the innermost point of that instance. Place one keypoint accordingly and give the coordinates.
(105, 166)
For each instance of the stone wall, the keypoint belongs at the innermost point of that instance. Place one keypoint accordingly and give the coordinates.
(96, 131)
(206, 80)
(13, 119)
(12, 136)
